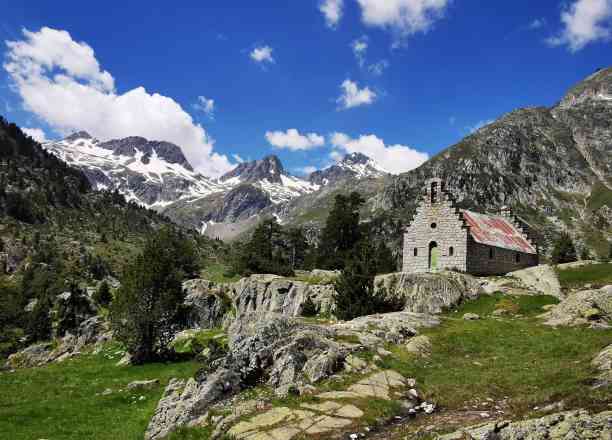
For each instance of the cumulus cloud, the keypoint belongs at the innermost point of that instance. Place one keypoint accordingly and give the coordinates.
(206, 106)
(262, 54)
(403, 17)
(36, 133)
(353, 96)
(60, 80)
(360, 47)
(332, 11)
(293, 140)
(584, 21)
(393, 158)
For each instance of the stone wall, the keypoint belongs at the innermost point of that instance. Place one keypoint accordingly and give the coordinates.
(449, 231)
(479, 261)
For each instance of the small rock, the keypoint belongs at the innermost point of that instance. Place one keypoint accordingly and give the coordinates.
(143, 384)
(107, 391)
(470, 316)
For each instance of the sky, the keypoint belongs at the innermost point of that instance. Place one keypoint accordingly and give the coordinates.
(308, 80)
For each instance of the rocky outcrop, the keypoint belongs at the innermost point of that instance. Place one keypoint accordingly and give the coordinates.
(208, 303)
(429, 292)
(603, 363)
(587, 307)
(542, 279)
(91, 331)
(281, 352)
(271, 294)
(561, 426)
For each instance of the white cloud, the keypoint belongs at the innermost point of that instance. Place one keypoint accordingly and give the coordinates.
(360, 47)
(483, 123)
(206, 106)
(61, 81)
(585, 21)
(353, 96)
(403, 17)
(36, 133)
(378, 68)
(332, 11)
(393, 158)
(262, 54)
(237, 158)
(293, 140)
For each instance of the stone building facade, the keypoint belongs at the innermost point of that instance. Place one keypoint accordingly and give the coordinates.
(441, 236)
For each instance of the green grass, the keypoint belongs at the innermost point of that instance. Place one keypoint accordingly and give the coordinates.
(520, 358)
(596, 274)
(218, 273)
(600, 196)
(64, 401)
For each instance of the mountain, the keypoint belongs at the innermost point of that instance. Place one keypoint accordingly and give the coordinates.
(151, 173)
(551, 165)
(353, 166)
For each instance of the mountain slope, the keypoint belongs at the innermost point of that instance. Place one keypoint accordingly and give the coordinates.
(353, 166)
(151, 173)
(551, 165)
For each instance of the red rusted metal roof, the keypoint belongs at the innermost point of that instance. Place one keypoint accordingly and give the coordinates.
(497, 231)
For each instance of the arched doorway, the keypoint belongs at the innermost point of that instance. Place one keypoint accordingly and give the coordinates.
(433, 256)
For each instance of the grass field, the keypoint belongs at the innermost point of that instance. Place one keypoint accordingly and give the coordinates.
(515, 357)
(65, 401)
(598, 275)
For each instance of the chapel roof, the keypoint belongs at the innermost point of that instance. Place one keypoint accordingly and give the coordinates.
(493, 230)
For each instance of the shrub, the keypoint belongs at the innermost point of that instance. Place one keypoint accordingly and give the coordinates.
(309, 308)
(38, 323)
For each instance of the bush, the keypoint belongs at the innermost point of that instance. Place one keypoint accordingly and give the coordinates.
(309, 308)
(38, 324)
(356, 295)
(148, 308)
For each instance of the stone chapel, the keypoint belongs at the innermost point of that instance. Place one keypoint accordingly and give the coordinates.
(442, 236)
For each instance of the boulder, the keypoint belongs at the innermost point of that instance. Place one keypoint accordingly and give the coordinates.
(429, 292)
(577, 424)
(143, 384)
(208, 303)
(587, 307)
(542, 279)
(470, 317)
(420, 346)
(32, 356)
(603, 363)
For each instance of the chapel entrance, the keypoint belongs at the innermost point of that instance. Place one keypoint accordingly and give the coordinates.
(433, 256)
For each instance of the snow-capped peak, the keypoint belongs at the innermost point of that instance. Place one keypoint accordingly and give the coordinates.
(352, 166)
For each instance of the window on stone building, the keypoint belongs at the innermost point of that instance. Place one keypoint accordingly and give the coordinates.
(517, 257)
(451, 251)
(491, 254)
(434, 226)
(434, 192)
(416, 252)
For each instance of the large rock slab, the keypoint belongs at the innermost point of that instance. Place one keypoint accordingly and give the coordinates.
(208, 303)
(592, 307)
(429, 292)
(603, 363)
(562, 426)
(272, 294)
(542, 279)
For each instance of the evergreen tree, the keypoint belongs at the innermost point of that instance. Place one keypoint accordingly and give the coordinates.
(38, 322)
(103, 295)
(297, 247)
(341, 232)
(385, 261)
(147, 309)
(356, 295)
(564, 250)
(266, 252)
(585, 254)
(72, 310)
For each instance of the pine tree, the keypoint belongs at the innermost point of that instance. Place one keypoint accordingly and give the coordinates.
(385, 261)
(72, 310)
(585, 254)
(564, 250)
(38, 322)
(103, 295)
(341, 232)
(147, 309)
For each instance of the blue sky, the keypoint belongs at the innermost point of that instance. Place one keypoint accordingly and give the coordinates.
(426, 78)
